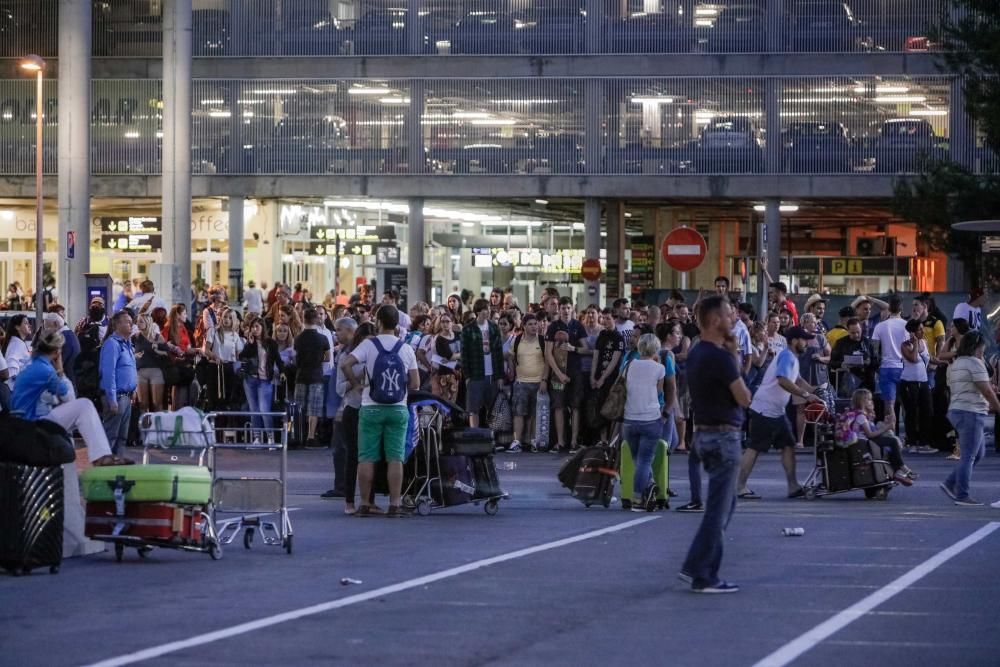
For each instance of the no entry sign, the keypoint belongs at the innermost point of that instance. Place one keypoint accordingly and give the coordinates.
(590, 270)
(684, 249)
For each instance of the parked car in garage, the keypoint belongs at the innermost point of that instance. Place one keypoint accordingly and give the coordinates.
(904, 143)
(818, 148)
(824, 25)
(731, 145)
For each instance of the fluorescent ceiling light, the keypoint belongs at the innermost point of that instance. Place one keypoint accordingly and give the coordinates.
(219, 114)
(368, 91)
(493, 121)
(213, 102)
(652, 100)
(543, 202)
(275, 91)
(526, 101)
(394, 100)
(929, 112)
(900, 99)
(784, 208)
(471, 114)
(884, 90)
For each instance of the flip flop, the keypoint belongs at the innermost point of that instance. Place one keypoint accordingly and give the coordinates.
(748, 495)
(800, 493)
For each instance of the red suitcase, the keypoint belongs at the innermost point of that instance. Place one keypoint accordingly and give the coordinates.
(151, 521)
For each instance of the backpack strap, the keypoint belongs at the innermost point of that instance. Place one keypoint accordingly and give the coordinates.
(378, 345)
(397, 347)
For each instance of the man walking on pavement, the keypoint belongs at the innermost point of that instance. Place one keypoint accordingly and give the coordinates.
(118, 380)
(718, 399)
(769, 425)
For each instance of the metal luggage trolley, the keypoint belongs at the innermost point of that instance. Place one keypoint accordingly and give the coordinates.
(252, 498)
(200, 536)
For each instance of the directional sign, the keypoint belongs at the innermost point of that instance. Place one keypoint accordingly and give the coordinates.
(132, 242)
(684, 249)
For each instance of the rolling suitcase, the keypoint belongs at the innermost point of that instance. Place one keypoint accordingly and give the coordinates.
(484, 472)
(148, 521)
(867, 466)
(180, 484)
(838, 469)
(469, 441)
(596, 475)
(661, 474)
(31, 517)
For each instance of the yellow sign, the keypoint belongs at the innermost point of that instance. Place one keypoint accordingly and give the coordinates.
(854, 267)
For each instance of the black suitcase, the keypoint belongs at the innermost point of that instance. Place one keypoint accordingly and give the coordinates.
(31, 517)
(838, 470)
(867, 465)
(596, 475)
(484, 472)
(469, 441)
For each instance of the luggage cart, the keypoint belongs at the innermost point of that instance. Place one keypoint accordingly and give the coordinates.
(253, 498)
(191, 525)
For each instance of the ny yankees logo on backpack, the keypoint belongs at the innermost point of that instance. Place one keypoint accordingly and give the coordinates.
(388, 382)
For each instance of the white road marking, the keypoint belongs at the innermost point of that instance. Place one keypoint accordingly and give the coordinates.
(259, 624)
(793, 649)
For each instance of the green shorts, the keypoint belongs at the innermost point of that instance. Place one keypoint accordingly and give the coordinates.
(382, 429)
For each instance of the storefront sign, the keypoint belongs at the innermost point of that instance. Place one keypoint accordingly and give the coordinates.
(132, 242)
(559, 261)
(132, 224)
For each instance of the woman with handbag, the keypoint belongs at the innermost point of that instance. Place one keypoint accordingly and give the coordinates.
(221, 350)
(643, 426)
(260, 367)
(151, 353)
(181, 373)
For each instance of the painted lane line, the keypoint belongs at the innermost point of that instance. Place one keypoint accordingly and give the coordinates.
(259, 624)
(793, 649)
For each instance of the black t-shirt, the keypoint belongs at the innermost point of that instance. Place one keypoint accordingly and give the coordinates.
(576, 335)
(310, 349)
(690, 329)
(608, 342)
(710, 371)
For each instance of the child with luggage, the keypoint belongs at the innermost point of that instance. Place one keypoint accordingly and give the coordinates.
(859, 423)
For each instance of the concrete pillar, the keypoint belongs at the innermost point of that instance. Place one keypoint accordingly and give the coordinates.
(768, 250)
(74, 154)
(772, 116)
(177, 146)
(774, 14)
(595, 24)
(961, 138)
(414, 28)
(615, 279)
(592, 243)
(593, 112)
(417, 287)
(236, 241)
(415, 158)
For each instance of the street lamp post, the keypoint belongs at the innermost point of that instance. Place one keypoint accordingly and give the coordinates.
(36, 64)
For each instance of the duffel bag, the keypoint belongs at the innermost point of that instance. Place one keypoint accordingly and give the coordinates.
(34, 443)
(187, 428)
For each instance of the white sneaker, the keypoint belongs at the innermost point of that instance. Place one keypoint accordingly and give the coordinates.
(515, 448)
(995, 505)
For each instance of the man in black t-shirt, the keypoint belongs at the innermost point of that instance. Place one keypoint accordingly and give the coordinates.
(718, 399)
(565, 341)
(312, 349)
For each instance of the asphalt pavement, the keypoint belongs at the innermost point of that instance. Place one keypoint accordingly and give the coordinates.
(545, 581)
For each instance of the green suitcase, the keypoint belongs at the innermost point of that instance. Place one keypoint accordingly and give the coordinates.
(661, 472)
(180, 484)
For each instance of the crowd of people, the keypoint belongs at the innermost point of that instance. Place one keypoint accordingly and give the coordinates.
(537, 376)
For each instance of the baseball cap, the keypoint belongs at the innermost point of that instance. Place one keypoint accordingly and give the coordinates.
(798, 332)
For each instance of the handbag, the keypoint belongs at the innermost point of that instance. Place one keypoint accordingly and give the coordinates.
(501, 415)
(614, 406)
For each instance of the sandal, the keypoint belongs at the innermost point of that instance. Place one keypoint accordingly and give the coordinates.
(395, 512)
(364, 511)
(748, 495)
(112, 460)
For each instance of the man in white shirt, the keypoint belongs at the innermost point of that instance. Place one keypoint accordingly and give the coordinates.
(382, 425)
(146, 302)
(253, 297)
(769, 425)
(972, 310)
(890, 334)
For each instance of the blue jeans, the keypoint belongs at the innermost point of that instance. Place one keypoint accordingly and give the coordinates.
(720, 453)
(969, 426)
(116, 425)
(642, 438)
(260, 395)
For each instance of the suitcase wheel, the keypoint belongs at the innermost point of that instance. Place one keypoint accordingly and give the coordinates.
(492, 507)
(214, 549)
(288, 545)
(810, 492)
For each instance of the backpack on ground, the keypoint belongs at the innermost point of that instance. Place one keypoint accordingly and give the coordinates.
(388, 382)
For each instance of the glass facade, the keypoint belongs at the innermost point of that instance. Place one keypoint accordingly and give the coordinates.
(133, 28)
(853, 125)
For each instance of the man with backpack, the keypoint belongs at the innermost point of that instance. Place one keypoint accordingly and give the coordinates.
(90, 331)
(531, 375)
(391, 369)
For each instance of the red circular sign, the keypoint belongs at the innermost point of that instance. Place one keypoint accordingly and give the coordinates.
(684, 249)
(591, 270)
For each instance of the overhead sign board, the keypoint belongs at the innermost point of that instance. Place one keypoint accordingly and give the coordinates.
(132, 242)
(132, 224)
